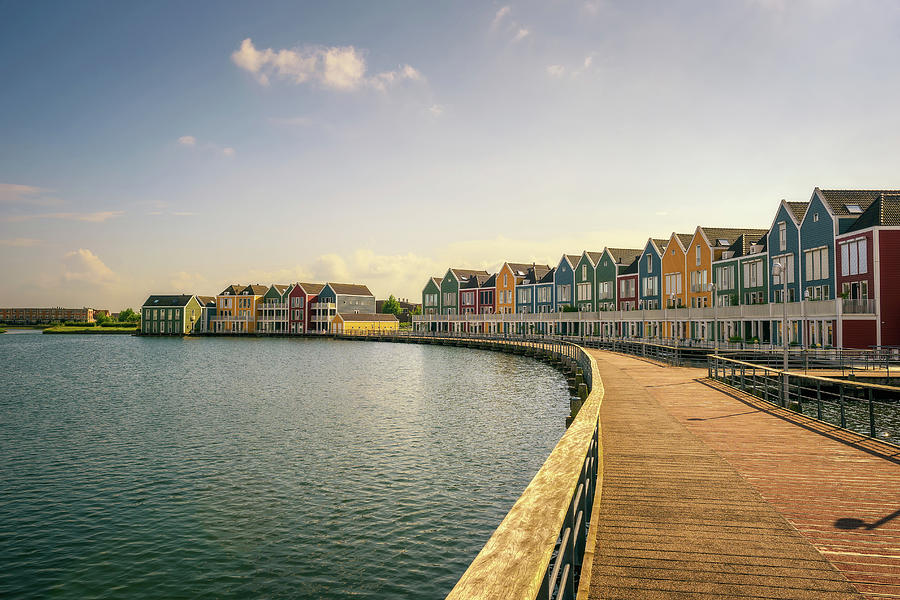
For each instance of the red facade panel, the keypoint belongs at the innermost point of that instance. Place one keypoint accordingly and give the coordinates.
(889, 274)
(841, 268)
(859, 333)
(621, 298)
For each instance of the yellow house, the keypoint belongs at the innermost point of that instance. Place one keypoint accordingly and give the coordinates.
(363, 323)
(226, 310)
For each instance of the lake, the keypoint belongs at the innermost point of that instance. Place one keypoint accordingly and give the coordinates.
(232, 468)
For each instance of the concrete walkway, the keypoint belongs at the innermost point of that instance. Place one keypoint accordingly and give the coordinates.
(706, 496)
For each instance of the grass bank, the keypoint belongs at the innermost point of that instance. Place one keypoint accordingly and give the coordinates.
(7, 326)
(91, 330)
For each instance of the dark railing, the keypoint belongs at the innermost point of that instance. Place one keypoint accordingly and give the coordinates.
(868, 409)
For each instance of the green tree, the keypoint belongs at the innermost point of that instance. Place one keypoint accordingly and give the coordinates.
(129, 316)
(391, 306)
(417, 310)
(101, 319)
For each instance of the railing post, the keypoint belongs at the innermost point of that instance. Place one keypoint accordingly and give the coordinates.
(843, 414)
(818, 399)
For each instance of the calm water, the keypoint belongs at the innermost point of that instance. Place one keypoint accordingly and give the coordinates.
(234, 468)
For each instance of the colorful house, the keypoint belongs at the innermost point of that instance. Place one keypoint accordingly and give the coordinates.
(487, 291)
(300, 297)
(564, 280)
(784, 248)
(585, 271)
(431, 297)
(171, 315)
(611, 263)
(544, 292)
(363, 323)
(340, 298)
(226, 317)
(272, 310)
(208, 304)
(509, 275)
(526, 292)
(450, 286)
(739, 276)
(867, 277)
(674, 269)
(628, 298)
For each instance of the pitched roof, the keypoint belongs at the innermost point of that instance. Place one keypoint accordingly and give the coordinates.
(536, 273)
(548, 276)
(168, 300)
(368, 317)
(491, 281)
(462, 274)
(310, 288)
(624, 256)
(839, 200)
(659, 243)
(519, 269)
(798, 209)
(883, 212)
(573, 258)
(206, 300)
(280, 288)
(349, 289)
(723, 237)
(232, 290)
(256, 289)
(632, 268)
(594, 256)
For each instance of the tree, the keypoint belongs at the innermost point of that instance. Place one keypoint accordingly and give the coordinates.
(101, 319)
(391, 306)
(417, 310)
(129, 316)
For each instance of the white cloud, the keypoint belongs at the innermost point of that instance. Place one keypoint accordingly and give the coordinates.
(184, 213)
(521, 34)
(20, 242)
(85, 266)
(588, 61)
(13, 193)
(340, 68)
(187, 140)
(94, 217)
(229, 152)
(189, 283)
(556, 70)
(436, 109)
(500, 15)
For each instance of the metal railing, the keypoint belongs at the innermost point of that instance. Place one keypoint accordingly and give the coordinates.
(868, 409)
(857, 307)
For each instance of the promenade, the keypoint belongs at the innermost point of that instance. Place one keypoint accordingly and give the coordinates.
(706, 495)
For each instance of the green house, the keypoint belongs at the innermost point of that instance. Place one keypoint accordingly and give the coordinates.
(431, 297)
(178, 314)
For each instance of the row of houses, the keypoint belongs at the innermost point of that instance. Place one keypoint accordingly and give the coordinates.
(43, 316)
(834, 261)
(297, 308)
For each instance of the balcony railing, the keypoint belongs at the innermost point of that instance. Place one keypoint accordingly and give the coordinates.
(858, 307)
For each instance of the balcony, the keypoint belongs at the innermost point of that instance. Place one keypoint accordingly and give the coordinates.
(858, 307)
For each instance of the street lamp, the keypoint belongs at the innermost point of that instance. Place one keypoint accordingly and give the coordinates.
(779, 270)
(712, 288)
(674, 317)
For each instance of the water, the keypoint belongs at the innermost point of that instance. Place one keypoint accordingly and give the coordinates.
(234, 468)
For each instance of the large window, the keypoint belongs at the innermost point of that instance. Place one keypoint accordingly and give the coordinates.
(649, 286)
(816, 264)
(584, 291)
(854, 257)
(543, 294)
(626, 288)
(753, 273)
(725, 277)
(449, 299)
(564, 293)
(698, 280)
(673, 283)
(523, 295)
(649, 264)
(604, 290)
(788, 261)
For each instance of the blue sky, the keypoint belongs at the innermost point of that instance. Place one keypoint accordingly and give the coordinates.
(168, 147)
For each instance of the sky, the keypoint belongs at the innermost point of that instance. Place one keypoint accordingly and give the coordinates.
(172, 147)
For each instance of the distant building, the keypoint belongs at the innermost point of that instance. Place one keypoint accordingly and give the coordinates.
(360, 323)
(179, 314)
(40, 316)
(340, 298)
(407, 309)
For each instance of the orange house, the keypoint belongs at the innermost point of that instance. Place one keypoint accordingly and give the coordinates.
(708, 245)
(509, 275)
(674, 282)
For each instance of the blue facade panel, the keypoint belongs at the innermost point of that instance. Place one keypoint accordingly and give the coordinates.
(527, 307)
(327, 295)
(564, 276)
(817, 231)
(650, 265)
(544, 306)
(791, 246)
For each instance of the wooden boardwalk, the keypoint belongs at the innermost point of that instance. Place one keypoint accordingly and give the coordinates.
(709, 496)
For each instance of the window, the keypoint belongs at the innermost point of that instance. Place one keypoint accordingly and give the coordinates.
(584, 291)
(449, 299)
(564, 293)
(782, 236)
(604, 290)
(698, 255)
(673, 284)
(698, 280)
(753, 273)
(788, 261)
(524, 295)
(853, 209)
(177, 313)
(583, 272)
(649, 264)
(543, 294)
(854, 257)
(725, 277)
(815, 217)
(649, 286)
(506, 280)
(816, 264)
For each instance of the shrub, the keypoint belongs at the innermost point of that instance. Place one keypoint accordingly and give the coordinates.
(735, 339)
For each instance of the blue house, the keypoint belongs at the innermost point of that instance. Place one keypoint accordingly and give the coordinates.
(564, 280)
(526, 290)
(544, 296)
(784, 248)
(649, 269)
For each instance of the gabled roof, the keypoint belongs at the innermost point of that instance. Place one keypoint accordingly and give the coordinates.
(474, 282)
(255, 289)
(168, 300)
(518, 269)
(489, 282)
(573, 258)
(658, 244)
(535, 274)
(311, 289)
(465, 274)
(797, 209)
(349, 289)
(883, 212)
(367, 317)
(594, 257)
(723, 237)
(280, 288)
(632, 268)
(232, 290)
(206, 300)
(624, 256)
(548, 276)
(851, 203)
(683, 239)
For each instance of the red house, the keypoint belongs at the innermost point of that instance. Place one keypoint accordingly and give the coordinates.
(487, 290)
(867, 271)
(303, 294)
(627, 298)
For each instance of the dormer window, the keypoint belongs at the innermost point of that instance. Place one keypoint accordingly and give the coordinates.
(853, 209)
(815, 217)
(723, 242)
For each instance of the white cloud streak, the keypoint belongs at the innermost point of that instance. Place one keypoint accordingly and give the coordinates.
(85, 266)
(92, 217)
(13, 193)
(501, 13)
(338, 68)
(187, 140)
(20, 243)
